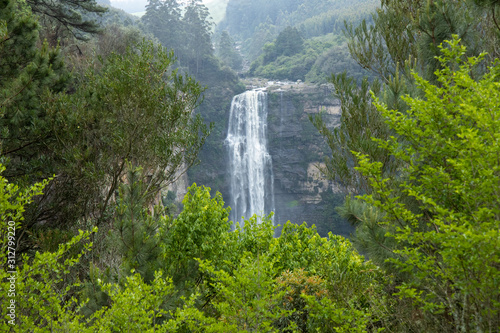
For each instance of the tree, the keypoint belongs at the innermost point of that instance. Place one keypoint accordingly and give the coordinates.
(404, 37)
(135, 229)
(447, 147)
(18, 278)
(12, 206)
(163, 20)
(226, 51)
(187, 31)
(197, 34)
(406, 34)
(26, 73)
(198, 232)
(360, 122)
(289, 42)
(131, 107)
(42, 290)
(243, 270)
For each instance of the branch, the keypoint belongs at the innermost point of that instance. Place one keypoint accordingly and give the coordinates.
(18, 148)
(494, 18)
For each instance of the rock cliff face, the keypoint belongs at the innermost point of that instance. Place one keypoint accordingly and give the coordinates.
(297, 150)
(300, 191)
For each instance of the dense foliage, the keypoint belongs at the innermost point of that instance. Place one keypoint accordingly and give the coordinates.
(92, 133)
(26, 73)
(446, 146)
(415, 215)
(128, 108)
(129, 104)
(241, 277)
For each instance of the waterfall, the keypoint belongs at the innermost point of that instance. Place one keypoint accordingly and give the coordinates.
(278, 220)
(250, 164)
(281, 121)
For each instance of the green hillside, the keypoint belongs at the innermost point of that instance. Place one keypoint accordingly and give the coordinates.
(263, 30)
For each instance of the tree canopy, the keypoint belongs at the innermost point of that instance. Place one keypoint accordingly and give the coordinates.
(450, 170)
(27, 72)
(405, 165)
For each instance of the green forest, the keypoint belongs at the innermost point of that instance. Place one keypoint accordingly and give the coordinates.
(101, 111)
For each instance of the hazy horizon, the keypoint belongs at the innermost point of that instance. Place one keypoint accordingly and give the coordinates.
(135, 6)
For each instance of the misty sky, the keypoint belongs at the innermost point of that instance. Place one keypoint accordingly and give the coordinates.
(134, 6)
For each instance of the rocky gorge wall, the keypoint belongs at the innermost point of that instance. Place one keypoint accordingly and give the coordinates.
(301, 193)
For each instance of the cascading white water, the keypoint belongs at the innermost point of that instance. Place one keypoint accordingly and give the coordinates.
(250, 164)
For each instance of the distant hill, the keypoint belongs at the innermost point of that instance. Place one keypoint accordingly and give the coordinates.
(244, 17)
(259, 27)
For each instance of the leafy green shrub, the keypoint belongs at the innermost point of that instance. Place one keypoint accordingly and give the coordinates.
(38, 296)
(247, 299)
(296, 285)
(45, 294)
(447, 146)
(195, 233)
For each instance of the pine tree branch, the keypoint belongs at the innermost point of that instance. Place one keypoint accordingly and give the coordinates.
(18, 148)
(17, 93)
